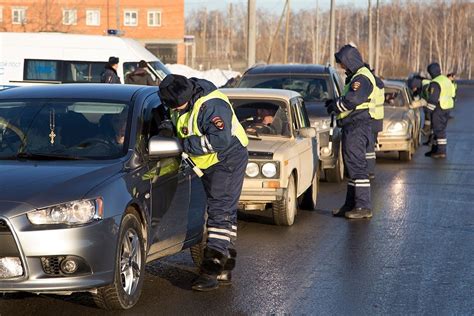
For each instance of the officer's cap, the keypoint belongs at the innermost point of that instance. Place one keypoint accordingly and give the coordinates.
(175, 90)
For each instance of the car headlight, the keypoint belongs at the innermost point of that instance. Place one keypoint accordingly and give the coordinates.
(252, 170)
(397, 128)
(269, 170)
(71, 213)
(322, 125)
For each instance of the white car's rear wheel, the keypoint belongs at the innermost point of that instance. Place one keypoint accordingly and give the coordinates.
(284, 211)
(129, 268)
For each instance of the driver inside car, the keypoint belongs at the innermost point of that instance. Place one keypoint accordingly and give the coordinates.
(262, 123)
(119, 124)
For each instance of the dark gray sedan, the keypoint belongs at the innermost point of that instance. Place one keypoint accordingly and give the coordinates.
(90, 192)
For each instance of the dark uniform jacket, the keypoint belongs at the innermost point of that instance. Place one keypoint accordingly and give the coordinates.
(141, 77)
(109, 75)
(360, 88)
(214, 121)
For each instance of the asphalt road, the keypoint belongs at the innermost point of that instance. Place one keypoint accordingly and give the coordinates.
(416, 256)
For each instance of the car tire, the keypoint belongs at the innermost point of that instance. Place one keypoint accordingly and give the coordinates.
(336, 174)
(310, 197)
(125, 291)
(407, 155)
(284, 211)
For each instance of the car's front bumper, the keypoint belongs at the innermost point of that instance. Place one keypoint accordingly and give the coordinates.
(393, 143)
(94, 244)
(256, 194)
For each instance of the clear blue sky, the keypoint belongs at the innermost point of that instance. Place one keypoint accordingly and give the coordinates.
(276, 5)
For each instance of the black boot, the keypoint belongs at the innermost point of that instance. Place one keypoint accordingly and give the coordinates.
(341, 212)
(211, 266)
(225, 278)
(358, 213)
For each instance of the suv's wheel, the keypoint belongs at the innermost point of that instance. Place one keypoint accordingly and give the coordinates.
(129, 268)
(336, 175)
(310, 197)
(284, 211)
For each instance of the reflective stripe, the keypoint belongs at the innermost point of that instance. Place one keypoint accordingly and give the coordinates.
(215, 236)
(203, 145)
(234, 227)
(207, 142)
(362, 181)
(442, 141)
(223, 231)
(362, 185)
(431, 106)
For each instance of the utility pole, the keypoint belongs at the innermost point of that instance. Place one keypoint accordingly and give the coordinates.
(277, 30)
(371, 44)
(332, 35)
(217, 37)
(251, 30)
(231, 43)
(287, 31)
(377, 38)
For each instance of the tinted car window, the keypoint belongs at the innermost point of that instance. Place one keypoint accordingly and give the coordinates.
(311, 88)
(394, 97)
(74, 128)
(262, 117)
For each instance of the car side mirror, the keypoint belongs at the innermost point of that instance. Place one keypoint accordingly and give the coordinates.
(163, 147)
(307, 132)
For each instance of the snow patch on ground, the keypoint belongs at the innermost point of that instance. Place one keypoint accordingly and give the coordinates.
(217, 76)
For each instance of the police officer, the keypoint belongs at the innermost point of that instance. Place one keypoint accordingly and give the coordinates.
(109, 75)
(419, 86)
(440, 102)
(216, 142)
(352, 108)
(376, 124)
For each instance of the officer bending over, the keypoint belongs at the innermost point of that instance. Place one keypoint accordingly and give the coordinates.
(352, 108)
(216, 142)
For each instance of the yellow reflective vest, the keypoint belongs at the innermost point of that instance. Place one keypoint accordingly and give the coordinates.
(189, 122)
(446, 96)
(379, 102)
(370, 104)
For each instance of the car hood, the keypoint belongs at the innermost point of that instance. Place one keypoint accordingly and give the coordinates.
(265, 148)
(27, 185)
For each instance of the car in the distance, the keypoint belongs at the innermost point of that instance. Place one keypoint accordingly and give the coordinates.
(90, 191)
(316, 84)
(283, 157)
(402, 121)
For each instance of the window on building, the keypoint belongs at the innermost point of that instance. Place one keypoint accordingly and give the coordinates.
(130, 18)
(18, 16)
(154, 18)
(69, 17)
(93, 17)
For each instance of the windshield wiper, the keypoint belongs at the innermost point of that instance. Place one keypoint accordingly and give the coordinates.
(46, 156)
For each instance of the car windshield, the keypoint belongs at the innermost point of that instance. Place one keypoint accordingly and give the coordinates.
(75, 129)
(157, 66)
(312, 89)
(258, 117)
(394, 97)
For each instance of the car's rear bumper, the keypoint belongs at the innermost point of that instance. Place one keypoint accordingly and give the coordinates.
(387, 143)
(41, 252)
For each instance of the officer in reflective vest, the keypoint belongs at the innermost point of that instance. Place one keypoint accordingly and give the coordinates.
(419, 86)
(355, 110)
(216, 142)
(376, 124)
(440, 102)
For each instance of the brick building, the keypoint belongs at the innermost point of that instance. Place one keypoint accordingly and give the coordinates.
(159, 25)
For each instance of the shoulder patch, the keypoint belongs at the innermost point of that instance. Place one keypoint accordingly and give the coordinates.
(355, 85)
(218, 122)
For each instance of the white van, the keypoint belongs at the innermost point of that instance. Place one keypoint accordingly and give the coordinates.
(32, 58)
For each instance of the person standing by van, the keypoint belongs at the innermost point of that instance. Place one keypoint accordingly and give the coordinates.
(110, 73)
(140, 76)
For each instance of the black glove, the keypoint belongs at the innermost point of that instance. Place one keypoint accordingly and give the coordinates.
(330, 106)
